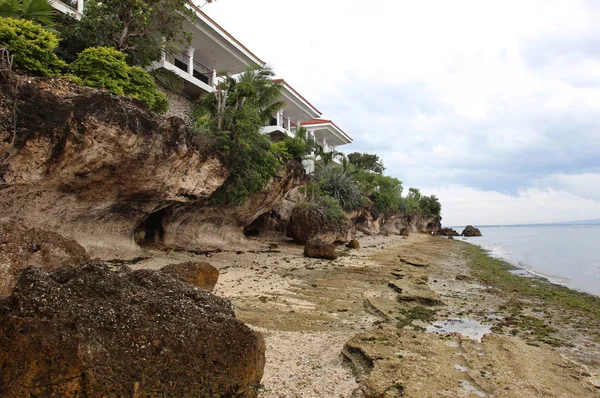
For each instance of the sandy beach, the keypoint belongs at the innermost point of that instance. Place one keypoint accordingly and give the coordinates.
(383, 321)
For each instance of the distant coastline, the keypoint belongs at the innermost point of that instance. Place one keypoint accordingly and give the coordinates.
(552, 224)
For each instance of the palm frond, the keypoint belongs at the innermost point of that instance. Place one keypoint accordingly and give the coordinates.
(39, 11)
(167, 79)
(9, 8)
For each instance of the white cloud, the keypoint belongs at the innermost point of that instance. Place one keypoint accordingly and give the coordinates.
(500, 98)
(464, 205)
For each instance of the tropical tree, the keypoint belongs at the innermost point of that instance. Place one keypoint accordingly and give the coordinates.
(233, 116)
(38, 11)
(138, 28)
(367, 161)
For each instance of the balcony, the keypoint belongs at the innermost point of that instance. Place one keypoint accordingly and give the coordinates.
(280, 127)
(198, 79)
(70, 7)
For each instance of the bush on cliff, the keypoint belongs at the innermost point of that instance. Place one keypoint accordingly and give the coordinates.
(104, 67)
(335, 183)
(31, 45)
(298, 147)
(233, 116)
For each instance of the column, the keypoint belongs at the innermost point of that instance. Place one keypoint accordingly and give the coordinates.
(163, 54)
(214, 78)
(190, 54)
(80, 6)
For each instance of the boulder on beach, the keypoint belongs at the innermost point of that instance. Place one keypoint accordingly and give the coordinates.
(22, 247)
(353, 244)
(309, 221)
(471, 231)
(404, 232)
(199, 274)
(92, 332)
(318, 248)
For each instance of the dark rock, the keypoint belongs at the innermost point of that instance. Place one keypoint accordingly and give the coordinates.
(318, 248)
(447, 232)
(90, 332)
(404, 232)
(22, 247)
(353, 244)
(451, 237)
(198, 274)
(311, 221)
(462, 277)
(471, 231)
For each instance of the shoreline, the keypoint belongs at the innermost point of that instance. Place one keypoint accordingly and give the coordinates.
(553, 279)
(375, 304)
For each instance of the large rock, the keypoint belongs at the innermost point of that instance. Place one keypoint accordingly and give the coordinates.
(318, 248)
(199, 274)
(471, 231)
(90, 332)
(447, 232)
(311, 221)
(22, 247)
(353, 244)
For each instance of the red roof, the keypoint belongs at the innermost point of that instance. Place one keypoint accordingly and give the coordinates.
(297, 93)
(324, 121)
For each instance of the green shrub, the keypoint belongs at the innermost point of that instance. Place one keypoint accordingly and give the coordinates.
(251, 161)
(143, 87)
(32, 46)
(104, 67)
(332, 207)
(334, 182)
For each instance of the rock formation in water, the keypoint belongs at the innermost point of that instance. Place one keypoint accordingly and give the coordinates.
(93, 332)
(471, 231)
(447, 232)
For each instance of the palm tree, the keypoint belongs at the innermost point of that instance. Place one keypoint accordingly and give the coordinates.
(242, 103)
(38, 11)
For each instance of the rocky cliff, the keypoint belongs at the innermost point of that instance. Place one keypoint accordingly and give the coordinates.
(103, 170)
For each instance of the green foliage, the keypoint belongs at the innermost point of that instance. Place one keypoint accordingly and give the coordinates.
(430, 206)
(330, 207)
(104, 67)
(233, 116)
(32, 46)
(143, 87)
(134, 27)
(333, 182)
(367, 161)
(38, 11)
(296, 148)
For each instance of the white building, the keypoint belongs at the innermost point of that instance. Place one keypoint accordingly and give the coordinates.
(213, 49)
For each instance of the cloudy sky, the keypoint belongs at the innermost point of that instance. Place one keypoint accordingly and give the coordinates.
(494, 106)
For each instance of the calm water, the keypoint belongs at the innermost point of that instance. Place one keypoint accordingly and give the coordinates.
(568, 255)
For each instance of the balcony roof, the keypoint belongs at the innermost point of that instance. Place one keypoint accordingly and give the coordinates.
(218, 49)
(292, 98)
(327, 129)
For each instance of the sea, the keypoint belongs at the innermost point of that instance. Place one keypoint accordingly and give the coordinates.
(568, 255)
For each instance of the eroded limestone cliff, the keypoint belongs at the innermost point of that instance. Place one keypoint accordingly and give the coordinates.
(106, 172)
